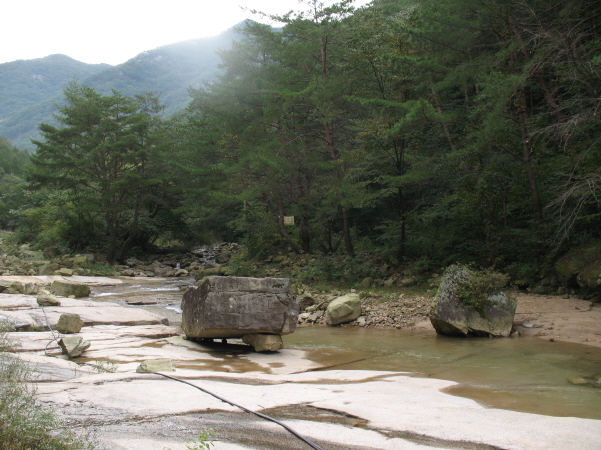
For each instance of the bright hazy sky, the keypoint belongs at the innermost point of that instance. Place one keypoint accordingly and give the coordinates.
(113, 31)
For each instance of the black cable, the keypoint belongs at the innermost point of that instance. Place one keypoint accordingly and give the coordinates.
(262, 416)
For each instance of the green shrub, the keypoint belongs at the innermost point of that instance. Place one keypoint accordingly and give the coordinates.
(474, 287)
(24, 423)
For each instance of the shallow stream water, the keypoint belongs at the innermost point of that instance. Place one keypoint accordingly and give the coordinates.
(522, 374)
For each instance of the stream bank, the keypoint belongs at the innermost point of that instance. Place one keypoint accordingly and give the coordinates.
(353, 405)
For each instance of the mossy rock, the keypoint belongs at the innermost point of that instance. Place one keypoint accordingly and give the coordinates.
(590, 277)
(469, 302)
(584, 258)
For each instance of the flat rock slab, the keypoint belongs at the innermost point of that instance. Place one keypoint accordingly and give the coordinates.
(103, 337)
(18, 301)
(47, 369)
(102, 315)
(43, 280)
(192, 356)
(386, 403)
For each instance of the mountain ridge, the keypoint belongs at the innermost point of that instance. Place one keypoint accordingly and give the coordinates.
(30, 89)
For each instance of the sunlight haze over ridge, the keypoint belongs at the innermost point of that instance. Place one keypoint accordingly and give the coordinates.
(114, 31)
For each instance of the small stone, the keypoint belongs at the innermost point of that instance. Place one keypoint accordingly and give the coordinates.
(367, 282)
(69, 323)
(81, 261)
(579, 381)
(409, 281)
(343, 310)
(45, 298)
(156, 365)
(180, 273)
(306, 302)
(73, 346)
(65, 288)
(63, 271)
(264, 342)
(315, 316)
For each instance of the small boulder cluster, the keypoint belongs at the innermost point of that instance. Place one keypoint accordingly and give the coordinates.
(367, 309)
(199, 263)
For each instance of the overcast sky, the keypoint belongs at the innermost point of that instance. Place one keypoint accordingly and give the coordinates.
(113, 31)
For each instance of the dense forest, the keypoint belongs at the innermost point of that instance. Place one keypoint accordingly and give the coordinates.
(426, 133)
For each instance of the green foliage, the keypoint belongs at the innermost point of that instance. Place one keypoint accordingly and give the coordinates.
(349, 270)
(203, 441)
(104, 366)
(475, 286)
(24, 423)
(429, 131)
(12, 159)
(258, 230)
(106, 163)
(241, 265)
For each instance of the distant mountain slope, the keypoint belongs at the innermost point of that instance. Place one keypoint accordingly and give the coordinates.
(30, 89)
(26, 82)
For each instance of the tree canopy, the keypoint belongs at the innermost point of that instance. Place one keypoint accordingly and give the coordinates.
(429, 131)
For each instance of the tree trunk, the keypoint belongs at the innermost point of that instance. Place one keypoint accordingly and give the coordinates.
(348, 239)
(305, 236)
(536, 202)
(444, 124)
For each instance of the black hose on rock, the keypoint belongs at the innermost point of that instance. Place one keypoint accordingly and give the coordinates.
(262, 416)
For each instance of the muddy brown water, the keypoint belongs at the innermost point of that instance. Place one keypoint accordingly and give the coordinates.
(521, 374)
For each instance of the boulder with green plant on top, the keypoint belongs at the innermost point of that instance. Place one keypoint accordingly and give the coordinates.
(470, 303)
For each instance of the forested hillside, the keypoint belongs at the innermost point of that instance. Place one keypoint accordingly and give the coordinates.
(30, 89)
(429, 132)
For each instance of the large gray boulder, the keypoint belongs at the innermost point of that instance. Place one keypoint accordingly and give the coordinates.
(232, 307)
(343, 309)
(468, 303)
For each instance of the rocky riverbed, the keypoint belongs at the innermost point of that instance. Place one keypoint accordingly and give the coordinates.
(130, 320)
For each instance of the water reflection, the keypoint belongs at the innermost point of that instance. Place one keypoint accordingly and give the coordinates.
(524, 374)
